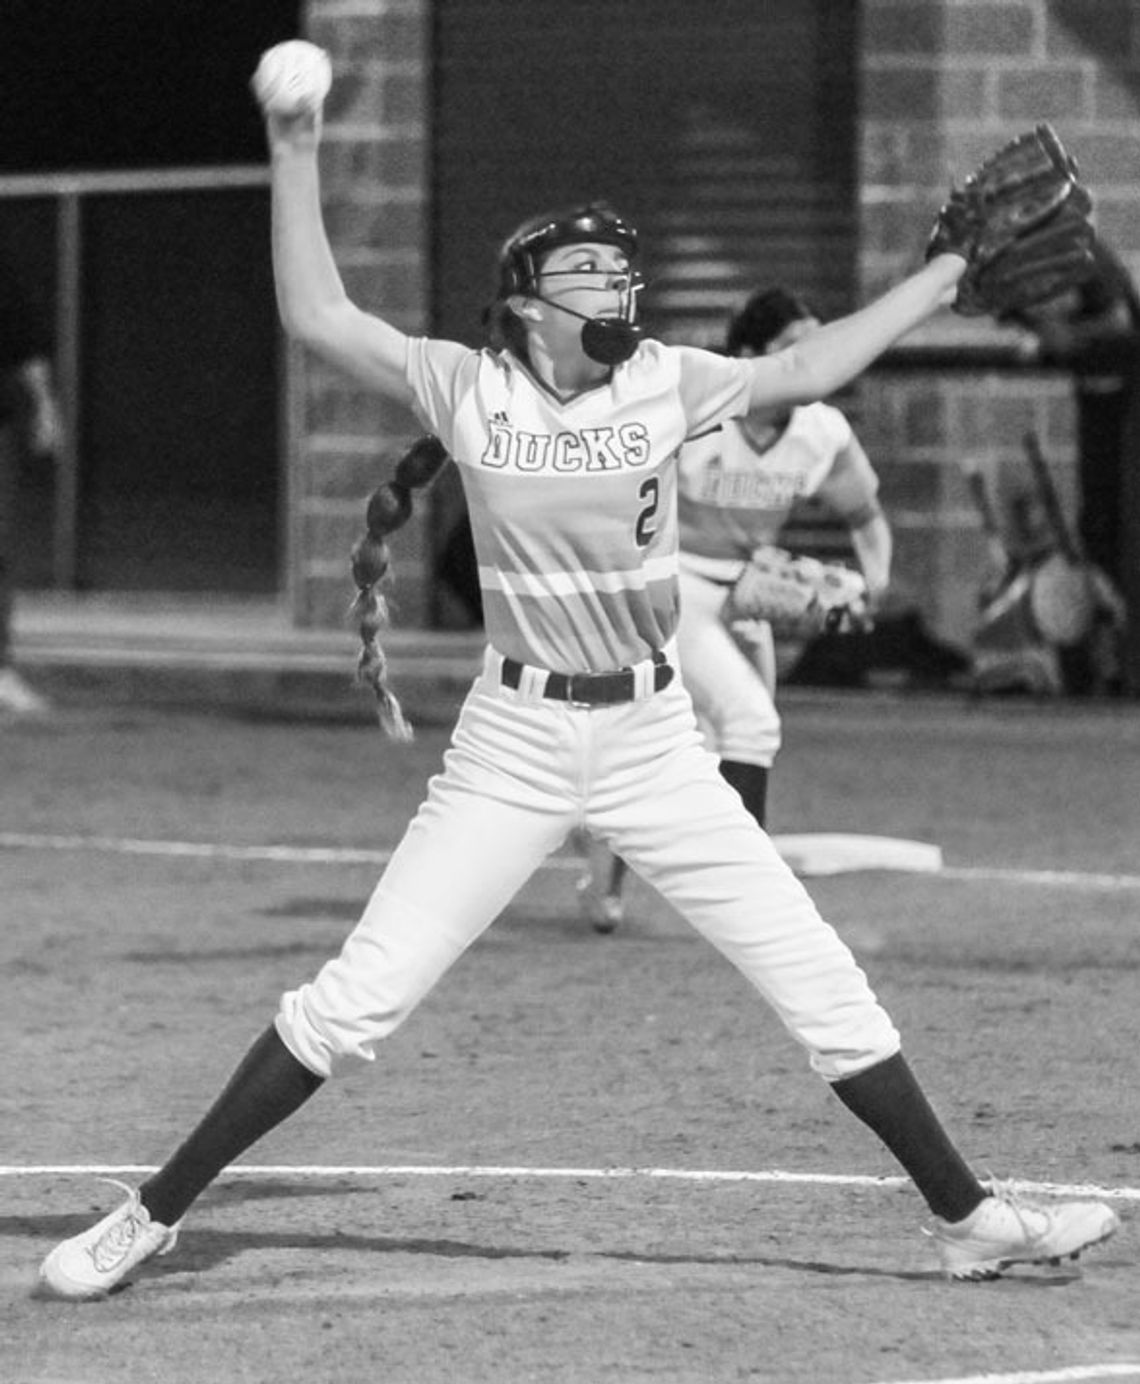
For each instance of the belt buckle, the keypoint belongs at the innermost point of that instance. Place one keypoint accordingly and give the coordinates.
(571, 700)
(613, 689)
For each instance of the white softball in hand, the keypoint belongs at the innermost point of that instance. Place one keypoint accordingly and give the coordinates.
(292, 77)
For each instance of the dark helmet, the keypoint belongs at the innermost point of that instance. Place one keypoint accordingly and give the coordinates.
(593, 221)
(607, 340)
(763, 317)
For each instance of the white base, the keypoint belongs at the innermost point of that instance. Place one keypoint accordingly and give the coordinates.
(832, 854)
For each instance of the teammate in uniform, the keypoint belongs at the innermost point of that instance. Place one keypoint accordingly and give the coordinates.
(566, 435)
(736, 488)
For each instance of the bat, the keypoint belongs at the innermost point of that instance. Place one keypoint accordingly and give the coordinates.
(1062, 534)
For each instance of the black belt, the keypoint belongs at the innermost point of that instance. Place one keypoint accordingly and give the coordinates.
(590, 689)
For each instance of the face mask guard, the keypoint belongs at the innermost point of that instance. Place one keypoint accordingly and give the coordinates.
(606, 340)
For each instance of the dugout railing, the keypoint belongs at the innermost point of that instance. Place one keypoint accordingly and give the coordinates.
(107, 255)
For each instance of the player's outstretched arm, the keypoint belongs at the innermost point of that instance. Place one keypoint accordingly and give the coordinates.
(873, 544)
(851, 490)
(290, 85)
(835, 353)
(1017, 233)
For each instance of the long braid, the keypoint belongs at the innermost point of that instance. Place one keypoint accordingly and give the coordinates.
(389, 509)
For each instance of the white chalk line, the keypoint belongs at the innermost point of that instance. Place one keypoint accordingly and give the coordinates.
(320, 855)
(1069, 1375)
(1071, 879)
(340, 855)
(196, 850)
(1119, 1370)
(1080, 1190)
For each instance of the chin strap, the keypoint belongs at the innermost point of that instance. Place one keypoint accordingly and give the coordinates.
(606, 340)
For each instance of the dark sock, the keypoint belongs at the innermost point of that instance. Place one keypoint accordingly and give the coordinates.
(618, 871)
(889, 1100)
(267, 1087)
(751, 782)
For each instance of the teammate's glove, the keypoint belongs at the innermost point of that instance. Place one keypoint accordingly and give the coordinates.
(799, 597)
(1021, 221)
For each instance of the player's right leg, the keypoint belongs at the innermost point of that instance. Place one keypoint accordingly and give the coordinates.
(99, 1260)
(504, 801)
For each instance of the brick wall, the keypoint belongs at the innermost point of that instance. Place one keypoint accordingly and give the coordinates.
(374, 174)
(943, 82)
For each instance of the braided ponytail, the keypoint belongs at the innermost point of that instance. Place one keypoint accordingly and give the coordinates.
(389, 509)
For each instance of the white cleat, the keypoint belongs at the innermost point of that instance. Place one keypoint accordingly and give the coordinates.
(1004, 1230)
(96, 1262)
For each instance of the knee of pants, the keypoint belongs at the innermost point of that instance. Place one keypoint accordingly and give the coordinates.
(387, 965)
(746, 732)
(322, 1047)
(830, 1009)
(329, 1030)
(842, 1023)
(872, 1045)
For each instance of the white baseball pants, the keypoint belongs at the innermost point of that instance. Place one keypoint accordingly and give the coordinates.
(732, 683)
(520, 774)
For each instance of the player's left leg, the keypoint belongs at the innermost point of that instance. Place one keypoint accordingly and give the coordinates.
(729, 882)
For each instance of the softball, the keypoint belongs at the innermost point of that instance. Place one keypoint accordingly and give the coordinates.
(292, 77)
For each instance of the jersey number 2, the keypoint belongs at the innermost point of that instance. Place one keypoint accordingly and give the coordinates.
(645, 528)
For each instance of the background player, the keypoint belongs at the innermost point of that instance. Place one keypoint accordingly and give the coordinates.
(31, 423)
(566, 436)
(736, 487)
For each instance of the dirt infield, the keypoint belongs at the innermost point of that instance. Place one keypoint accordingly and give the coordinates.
(584, 1159)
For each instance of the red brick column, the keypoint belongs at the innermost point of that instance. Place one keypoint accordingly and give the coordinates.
(374, 160)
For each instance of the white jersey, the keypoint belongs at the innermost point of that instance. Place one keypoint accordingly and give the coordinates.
(735, 496)
(573, 503)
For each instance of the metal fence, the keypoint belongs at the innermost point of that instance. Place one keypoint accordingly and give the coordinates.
(67, 194)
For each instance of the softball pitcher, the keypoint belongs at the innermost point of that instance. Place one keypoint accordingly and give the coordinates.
(736, 487)
(566, 432)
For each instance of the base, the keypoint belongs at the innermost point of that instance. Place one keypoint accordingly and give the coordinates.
(836, 853)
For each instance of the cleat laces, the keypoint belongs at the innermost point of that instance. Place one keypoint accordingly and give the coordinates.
(1007, 1195)
(113, 1246)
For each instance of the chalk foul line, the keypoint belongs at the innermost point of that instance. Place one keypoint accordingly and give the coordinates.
(340, 855)
(200, 850)
(1067, 1374)
(1079, 1190)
